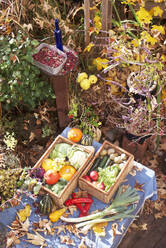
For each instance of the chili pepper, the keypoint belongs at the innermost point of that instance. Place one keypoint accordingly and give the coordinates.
(79, 206)
(78, 200)
(86, 208)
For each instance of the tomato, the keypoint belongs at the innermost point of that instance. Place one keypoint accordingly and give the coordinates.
(47, 164)
(87, 178)
(67, 172)
(94, 175)
(51, 177)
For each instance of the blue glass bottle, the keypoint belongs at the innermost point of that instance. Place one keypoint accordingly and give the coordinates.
(58, 36)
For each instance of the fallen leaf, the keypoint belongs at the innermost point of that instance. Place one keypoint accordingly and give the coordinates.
(36, 239)
(66, 240)
(122, 228)
(12, 239)
(24, 213)
(143, 227)
(115, 230)
(72, 209)
(139, 186)
(31, 137)
(99, 229)
(82, 244)
(60, 228)
(72, 229)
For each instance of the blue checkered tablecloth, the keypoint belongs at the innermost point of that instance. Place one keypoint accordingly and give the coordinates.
(141, 175)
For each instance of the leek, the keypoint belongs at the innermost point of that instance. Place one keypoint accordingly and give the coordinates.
(119, 205)
(90, 223)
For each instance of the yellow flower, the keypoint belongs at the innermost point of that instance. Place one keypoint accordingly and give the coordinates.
(93, 79)
(88, 47)
(148, 38)
(100, 63)
(82, 76)
(129, 2)
(135, 42)
(163, 58)
(160, 29)
(105, 63)
(97, 23)
(85, 84)
(97, 18)
(156, 11)
(144, 16)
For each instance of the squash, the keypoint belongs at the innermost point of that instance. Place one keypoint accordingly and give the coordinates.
(67, 172)
(74, 134)
(86, 140)
(46, 204)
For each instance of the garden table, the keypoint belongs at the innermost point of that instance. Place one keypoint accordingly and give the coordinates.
(141, 176)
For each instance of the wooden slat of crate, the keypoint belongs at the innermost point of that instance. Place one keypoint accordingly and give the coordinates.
(98, 193)
(72, 184)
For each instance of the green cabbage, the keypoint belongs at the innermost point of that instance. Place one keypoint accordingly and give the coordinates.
(59, 151)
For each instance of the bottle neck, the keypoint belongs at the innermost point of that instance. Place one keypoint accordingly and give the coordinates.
(57, 24)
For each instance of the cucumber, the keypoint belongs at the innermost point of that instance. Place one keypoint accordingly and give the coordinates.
(103, 161)
(107, 163)
(95, 164)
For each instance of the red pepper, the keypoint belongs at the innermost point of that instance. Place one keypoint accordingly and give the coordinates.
(83, 207)
(78, 200)
(86, 208)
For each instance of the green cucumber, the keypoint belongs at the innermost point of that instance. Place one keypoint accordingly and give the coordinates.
(103, 161)
(95, 164)
(107, 163)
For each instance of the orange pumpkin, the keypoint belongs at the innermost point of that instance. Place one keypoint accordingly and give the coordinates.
(67, 172)
(74, 134)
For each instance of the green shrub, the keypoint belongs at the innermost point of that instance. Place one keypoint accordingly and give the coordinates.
(21, 84)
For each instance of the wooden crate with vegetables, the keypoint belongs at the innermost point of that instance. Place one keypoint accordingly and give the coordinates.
(106, 171)
(61, 166)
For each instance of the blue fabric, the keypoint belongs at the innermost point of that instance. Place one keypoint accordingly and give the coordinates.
(143, 175)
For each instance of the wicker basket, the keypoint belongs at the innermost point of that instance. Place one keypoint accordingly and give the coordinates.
(72, 184)
(98, 193)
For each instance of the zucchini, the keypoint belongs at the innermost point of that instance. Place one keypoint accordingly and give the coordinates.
(107, 163)
(103, 161)
(95, 164)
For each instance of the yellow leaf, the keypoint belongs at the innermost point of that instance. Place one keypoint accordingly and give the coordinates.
(99, 229)
(24, 213)
(88, 47)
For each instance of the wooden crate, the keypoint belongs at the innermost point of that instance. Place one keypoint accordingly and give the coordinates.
(98, 193)
(72, 184)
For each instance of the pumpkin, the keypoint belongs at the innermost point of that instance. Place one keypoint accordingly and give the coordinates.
(86, 140)
(74, 134)
(46, 204)
(67, 172)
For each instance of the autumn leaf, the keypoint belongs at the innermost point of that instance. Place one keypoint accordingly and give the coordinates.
(66, 240)
(36, 239)
(115, 230)
(61, 228)
(99, 229)
(24, 213)
(139, 186)
(82, 244)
